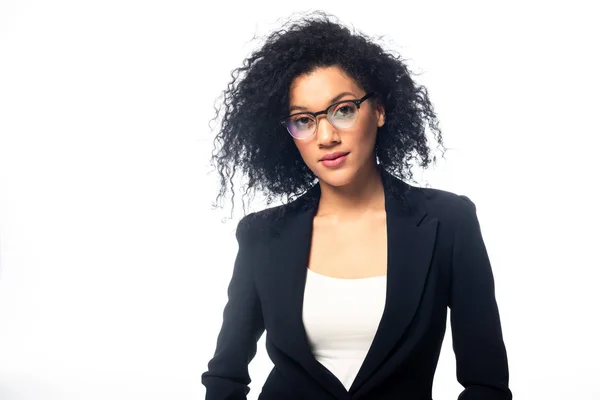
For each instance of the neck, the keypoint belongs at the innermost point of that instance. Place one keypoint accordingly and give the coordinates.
(365, 194)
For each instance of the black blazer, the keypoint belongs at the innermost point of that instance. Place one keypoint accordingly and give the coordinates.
(436, 260)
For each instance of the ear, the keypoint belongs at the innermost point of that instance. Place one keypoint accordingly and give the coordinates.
(380, 112)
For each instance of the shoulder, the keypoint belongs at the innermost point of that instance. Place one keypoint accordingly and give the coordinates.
(456, 214)
(260, 223)
(436, 203)
(446, 205)
(256, 224)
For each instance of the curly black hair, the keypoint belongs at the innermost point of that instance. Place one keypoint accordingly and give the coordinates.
(251, 138)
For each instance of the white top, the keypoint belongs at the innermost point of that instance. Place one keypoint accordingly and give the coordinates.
(341, 317)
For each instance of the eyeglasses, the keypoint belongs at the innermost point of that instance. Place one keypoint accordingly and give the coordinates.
(341, 115)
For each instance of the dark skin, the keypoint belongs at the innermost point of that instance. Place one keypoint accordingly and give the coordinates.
(351, 212)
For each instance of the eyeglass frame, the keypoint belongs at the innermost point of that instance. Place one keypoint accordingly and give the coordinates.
(357, 102)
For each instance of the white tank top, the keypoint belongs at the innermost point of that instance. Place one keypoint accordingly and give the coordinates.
(341, 317)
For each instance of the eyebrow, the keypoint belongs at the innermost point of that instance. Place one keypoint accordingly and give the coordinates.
(336, 98)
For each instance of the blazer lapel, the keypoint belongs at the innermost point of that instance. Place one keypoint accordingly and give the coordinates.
(410, 249)
(289, 257)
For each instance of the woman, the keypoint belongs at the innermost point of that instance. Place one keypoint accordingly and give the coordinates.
(352, 278)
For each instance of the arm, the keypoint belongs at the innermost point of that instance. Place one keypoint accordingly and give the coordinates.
(481, 360)
(227, 376)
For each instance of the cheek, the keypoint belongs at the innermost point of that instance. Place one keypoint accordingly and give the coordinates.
(366, 132)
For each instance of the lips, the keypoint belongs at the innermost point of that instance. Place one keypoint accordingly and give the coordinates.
(333, 156)
(335, 162)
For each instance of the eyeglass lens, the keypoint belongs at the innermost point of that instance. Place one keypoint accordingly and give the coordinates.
(342, 116)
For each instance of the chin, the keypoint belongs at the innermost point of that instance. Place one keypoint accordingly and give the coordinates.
(336, 177)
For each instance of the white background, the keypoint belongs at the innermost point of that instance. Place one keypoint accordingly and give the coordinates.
(114, 267)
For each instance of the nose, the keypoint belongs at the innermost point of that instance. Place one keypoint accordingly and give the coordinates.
(326, 134)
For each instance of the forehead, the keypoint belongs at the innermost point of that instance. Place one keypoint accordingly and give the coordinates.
(317, 88)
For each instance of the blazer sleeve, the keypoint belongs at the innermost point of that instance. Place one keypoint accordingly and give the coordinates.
(227, 375)
(481, 359)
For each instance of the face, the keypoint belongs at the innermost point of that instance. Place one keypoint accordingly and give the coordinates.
(315, 92)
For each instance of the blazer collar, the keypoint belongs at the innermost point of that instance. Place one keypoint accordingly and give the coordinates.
(409, 252)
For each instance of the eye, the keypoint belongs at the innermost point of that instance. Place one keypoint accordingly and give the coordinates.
(345, 110)
(301, 121)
